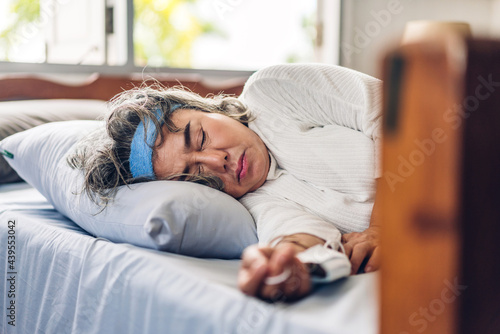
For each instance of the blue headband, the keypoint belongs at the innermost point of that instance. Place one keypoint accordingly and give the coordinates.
(141, 151)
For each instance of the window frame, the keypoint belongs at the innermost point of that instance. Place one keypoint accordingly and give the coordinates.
(130, 68)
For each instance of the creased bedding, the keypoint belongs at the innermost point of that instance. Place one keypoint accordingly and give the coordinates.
(67, 281)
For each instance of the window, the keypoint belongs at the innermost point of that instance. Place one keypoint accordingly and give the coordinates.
(160, 35)
(222, 34)
(61, 32)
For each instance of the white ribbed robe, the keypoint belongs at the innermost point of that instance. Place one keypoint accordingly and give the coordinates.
(321, 125)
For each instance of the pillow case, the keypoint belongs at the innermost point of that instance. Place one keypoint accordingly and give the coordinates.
(174, 216)
(17, 116)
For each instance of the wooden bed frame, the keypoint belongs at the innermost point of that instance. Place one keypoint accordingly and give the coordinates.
(100, 87)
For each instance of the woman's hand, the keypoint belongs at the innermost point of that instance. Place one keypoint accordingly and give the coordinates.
(363, 246)
(259, 263)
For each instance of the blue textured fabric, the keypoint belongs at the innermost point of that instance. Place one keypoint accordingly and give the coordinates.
(141, 151)
(82, 284)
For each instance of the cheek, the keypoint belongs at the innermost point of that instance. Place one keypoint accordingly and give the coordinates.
(233, 189)
(230, 129)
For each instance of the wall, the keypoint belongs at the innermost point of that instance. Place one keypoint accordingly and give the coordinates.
(371, 27)
(495, 18)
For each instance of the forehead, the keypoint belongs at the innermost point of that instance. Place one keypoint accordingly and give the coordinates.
(181, 117)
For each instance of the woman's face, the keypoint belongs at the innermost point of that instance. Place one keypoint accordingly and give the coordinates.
(213, 144)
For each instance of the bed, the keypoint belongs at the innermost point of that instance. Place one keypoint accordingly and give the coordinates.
(61, 279)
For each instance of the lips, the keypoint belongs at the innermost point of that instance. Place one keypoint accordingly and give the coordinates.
(242, 167)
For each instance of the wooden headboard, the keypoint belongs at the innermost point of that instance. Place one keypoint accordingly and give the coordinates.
(101, 87)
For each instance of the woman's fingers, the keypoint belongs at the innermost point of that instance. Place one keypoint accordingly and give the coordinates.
(296, 285)
(253, 253)
(299, 284)
(362, 246)
(250, 279)
(348, 242)
(348, 249)
(374, 262)
(281, 259)
(248, 284)
(254, 266)
(350, 236)
(359, 253)
(273, 273)
(288, 278)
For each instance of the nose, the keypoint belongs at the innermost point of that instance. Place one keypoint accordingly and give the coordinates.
(214, 160)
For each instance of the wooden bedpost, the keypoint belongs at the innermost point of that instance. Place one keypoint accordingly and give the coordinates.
(440, 191)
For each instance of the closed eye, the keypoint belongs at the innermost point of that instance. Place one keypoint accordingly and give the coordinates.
(202, 138)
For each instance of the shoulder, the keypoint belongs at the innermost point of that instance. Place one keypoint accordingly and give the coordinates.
(293, 81)
(302, 72)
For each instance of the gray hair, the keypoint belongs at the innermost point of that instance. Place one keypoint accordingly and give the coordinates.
(103, 155)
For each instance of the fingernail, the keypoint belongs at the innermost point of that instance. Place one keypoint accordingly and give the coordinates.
(368, 269)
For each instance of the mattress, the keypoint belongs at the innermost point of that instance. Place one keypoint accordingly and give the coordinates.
(60, 279)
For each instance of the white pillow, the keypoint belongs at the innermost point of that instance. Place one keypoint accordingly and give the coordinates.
(174, 216)
(17, 116)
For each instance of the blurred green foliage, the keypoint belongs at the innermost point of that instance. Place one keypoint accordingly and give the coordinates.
(165, 30)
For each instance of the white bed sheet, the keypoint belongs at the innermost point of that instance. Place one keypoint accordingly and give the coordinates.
(67, 281)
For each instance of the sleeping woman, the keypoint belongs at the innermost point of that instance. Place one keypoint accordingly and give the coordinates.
(299, 149)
